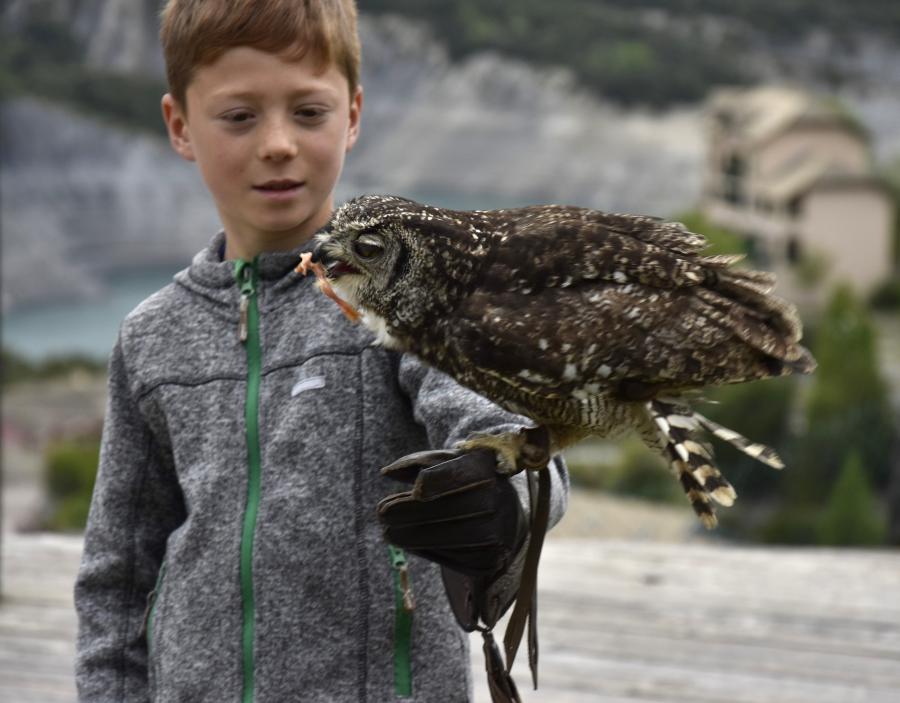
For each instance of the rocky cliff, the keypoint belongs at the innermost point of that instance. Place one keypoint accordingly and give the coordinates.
(118, 35)
(81, 197)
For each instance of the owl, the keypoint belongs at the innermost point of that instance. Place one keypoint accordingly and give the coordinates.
(586, 322)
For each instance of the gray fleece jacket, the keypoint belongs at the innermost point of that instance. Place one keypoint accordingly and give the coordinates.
(228, 567)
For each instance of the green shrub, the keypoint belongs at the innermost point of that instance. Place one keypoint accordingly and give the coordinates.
(71, 467)
(791, 524)
(643, 474)
(17, 368)
(886, 295)
(69, 515)
(847, 406)
(852, 516)
(626, 468)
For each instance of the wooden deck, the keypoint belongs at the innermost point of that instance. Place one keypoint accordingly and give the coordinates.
(619, 622)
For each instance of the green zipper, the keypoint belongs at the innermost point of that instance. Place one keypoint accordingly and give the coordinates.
(153, 598)
(246, 275)
(403, 607)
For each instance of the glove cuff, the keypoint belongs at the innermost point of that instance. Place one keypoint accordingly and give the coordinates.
(476, 600)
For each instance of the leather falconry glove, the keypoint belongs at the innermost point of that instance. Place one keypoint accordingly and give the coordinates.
(460, 512)
(463, 515)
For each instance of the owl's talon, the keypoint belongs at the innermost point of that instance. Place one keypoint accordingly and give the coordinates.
(500, 444)
(506, 465)
(529, 448)
(534, 454)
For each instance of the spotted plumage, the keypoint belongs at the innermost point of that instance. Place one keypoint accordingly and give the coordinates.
(586, 322)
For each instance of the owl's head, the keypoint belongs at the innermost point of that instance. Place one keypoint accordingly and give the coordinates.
(394, 258)
(361, 248)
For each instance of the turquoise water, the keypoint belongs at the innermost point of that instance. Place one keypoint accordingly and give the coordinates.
(83, 327)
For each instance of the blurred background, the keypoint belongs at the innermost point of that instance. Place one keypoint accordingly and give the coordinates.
(772, 127)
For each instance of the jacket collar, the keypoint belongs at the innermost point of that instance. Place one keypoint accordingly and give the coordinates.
(210, 276)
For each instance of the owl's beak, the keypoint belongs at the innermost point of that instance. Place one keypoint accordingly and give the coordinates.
(334, 265)
(318, 253)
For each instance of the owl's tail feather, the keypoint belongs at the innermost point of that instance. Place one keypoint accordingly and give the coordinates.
(753, 291)
(678, 429)
(763, 323)
(678, 433)
(754, 450)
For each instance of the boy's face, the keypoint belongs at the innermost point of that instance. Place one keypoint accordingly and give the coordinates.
(269, 136)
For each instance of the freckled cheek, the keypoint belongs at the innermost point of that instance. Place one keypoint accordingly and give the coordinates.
(225, 177)
(326, 153)
(232, 166)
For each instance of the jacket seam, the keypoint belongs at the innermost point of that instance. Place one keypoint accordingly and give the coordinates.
(181, 381)
(193, 383)
(332, 351)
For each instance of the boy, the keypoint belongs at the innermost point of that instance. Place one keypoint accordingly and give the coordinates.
(232, 551)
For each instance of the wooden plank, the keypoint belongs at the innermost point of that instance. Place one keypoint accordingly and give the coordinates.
(37, 618)
(620, 622)
(713, 622)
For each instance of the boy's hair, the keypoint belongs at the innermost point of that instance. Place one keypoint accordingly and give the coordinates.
(195, 33)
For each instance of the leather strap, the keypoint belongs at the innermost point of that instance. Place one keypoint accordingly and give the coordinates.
(500, 683)
(526, 602)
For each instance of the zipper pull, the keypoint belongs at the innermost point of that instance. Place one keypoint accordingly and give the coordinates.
(244, 275)
(408, 603)
(245, 305)
(398, 560)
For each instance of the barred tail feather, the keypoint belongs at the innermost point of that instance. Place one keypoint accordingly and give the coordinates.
(698, 497)
(760, 452)
(678, 429)
(690, 458)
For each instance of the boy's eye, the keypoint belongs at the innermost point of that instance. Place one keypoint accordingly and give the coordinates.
(310, 114)
(238, 117)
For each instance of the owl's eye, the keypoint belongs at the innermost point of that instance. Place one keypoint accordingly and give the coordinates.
(368, 247)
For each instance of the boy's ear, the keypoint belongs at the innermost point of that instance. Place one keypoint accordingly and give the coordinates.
(356, 103)
(177, 126)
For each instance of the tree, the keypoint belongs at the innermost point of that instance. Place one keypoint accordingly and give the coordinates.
(847, 409)
(852, 516)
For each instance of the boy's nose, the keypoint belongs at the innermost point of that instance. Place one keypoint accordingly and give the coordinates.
(277, 144)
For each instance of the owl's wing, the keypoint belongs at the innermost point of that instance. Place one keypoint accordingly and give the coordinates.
(538, 247)
(602, 336)
(635, 297)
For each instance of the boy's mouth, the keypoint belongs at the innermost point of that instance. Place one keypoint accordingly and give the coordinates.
(283, 186)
